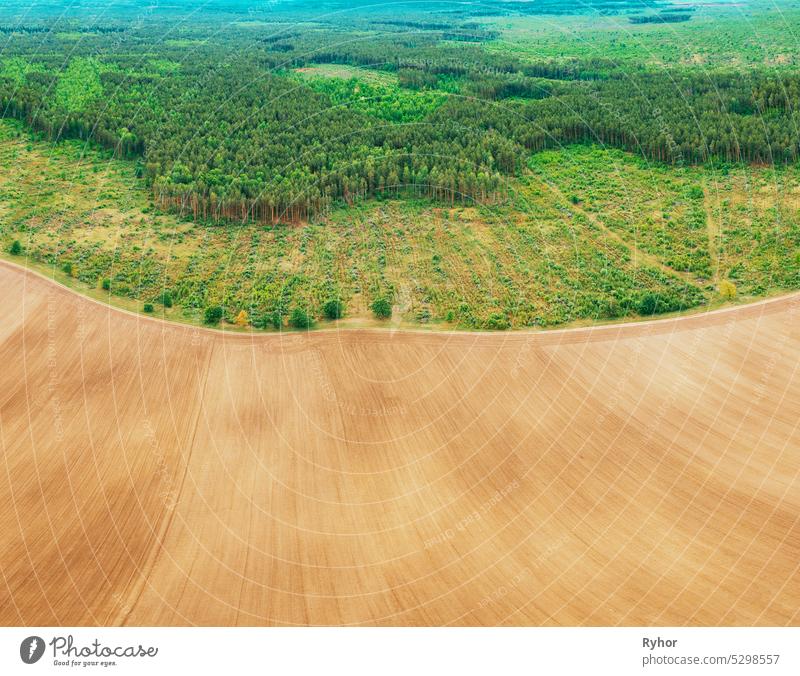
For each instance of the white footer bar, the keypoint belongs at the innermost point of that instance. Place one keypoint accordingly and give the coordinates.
(400, 652)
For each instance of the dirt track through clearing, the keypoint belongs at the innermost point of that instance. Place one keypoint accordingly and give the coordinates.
(160, 474)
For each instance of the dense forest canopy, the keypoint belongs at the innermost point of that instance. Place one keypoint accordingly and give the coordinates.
(223, 127)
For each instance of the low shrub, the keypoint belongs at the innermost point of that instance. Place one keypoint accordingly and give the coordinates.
(653, 303)
(213, 314)
(497, 322)
(242, 319)
(333, 309)
(727, 289)
(649, 305)
(300, 319)
(381, 308)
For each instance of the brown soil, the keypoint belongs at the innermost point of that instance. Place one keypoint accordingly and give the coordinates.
(156, 474)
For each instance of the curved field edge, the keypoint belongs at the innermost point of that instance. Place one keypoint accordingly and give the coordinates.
(720, 308)
(588, 235)
(159, 475)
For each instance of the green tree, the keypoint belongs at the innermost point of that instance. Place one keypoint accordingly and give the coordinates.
(213, 314)
(651, 304)
(275, 319)
(334, 309)
(300, 319)
(16, 248)
(381, 308)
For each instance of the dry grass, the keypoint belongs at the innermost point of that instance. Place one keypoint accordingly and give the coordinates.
(344, 72)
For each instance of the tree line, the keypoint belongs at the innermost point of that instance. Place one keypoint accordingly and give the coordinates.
(225, 135)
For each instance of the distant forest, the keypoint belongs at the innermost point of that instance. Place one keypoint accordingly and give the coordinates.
(223, 126)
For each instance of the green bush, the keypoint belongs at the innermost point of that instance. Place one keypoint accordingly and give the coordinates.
(497, 322)
(213, 314)
(166, 299)
(381, 308)
(67, 267)
(334, 309)
(300, 319)
(276, 319)
(648, 305)
(272, 319)
(106, 285)
(653, 303)
(148, 307)
(610, 309)
(16, 248)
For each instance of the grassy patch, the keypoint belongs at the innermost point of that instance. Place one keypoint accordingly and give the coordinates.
(760, 34)
(344, 72)
(377, 97)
